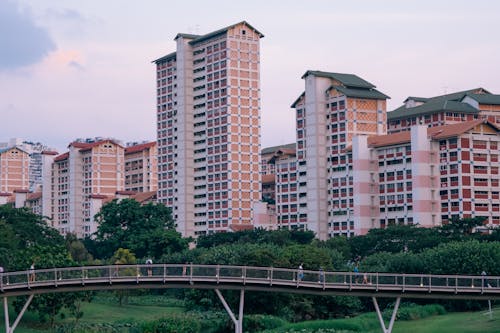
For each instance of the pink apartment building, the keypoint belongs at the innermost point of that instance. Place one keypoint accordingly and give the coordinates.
(333, 109)
(354, 177)
(14, 169)
(87, 169)
(208, 129)
(141, 173)
(445, 109)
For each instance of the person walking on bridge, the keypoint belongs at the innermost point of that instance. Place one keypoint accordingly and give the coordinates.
(300, 273)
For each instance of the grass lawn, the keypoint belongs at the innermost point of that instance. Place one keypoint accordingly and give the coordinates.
(461, 322)
(96, 313)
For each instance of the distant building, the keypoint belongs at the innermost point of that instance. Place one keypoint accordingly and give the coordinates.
(14, 169)
(141, 172)
(208, 129)
(445, 110)
(88, 168)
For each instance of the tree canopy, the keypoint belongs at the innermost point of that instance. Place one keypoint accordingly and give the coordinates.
(146, 230)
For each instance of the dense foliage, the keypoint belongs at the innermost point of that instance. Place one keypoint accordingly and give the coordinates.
(146, 230)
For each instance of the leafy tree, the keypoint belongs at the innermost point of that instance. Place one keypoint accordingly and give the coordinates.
(147, 230)
(123, 257)
(77, 249)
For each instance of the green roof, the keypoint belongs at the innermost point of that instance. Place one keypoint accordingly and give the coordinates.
(298, 99)
(222, 31)
(187, 36)
(360, 93)
(348, 80)
(416, 99)
(448, 102)
(276, 148)
(485, 98)
(165, 58)
(431, 107)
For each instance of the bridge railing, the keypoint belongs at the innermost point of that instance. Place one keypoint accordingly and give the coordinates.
(243, 274)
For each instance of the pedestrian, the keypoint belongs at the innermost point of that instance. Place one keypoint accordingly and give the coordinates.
(300, 273)
(149, 262)
(321, 275)
(1, 275)
(32, 272)
(356, 273)
(365, 278)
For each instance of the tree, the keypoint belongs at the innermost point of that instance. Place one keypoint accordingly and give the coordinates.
(123, 257)
(147, 230)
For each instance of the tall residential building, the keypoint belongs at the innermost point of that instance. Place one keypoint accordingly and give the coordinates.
(208, 129)
(88, 168)
(141, 172)
(333, 109)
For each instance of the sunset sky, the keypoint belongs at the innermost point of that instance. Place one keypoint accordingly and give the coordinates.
(82, 68)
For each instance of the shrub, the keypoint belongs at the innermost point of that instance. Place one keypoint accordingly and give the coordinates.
(173, 324)
(257, 323)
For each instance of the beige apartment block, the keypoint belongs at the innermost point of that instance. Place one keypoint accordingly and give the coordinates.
(14, 169)
(141, 171)
(88, 168)
(208, 129)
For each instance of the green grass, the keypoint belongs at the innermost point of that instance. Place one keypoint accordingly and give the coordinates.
(107, 312)
(96, 313)
(463, 322)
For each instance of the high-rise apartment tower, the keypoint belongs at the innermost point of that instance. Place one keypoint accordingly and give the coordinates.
(208, 129)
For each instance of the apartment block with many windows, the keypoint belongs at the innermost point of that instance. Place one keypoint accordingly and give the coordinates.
(88, 168)
(333, 109)
(141, 173)
(208, 129)
(446, 109)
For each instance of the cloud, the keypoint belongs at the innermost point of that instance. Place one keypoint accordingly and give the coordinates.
(76, 65)
(22, 42)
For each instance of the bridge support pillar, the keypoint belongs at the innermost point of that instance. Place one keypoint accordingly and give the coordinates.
(238, 323)
(8, 328)
(393, 317)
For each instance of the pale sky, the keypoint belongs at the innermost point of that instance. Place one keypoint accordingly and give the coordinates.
(82, 68)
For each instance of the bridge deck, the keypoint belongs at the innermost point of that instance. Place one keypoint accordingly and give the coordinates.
(249, 278)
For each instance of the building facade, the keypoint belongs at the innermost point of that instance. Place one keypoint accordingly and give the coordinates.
(208, 129)
(14, 169)
(446, 109)
(88, 168)
(141, 173)
(333, 109)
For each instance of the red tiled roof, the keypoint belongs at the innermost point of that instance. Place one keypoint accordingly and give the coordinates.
(438, 132)
(34, 196)
(62, 157)
(268, 179)
(21, 190)
(144, 196)
(5, 194)
(389, 139)
(446, 131)
(49, 152)
(241, 227)
(140, 147)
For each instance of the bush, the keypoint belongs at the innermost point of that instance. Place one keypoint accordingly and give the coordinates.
(414, 312)
(257, 323)
(173, 324)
